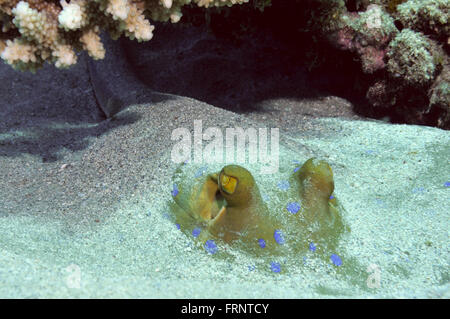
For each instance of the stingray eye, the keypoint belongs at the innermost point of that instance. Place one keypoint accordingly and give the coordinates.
(228, 183)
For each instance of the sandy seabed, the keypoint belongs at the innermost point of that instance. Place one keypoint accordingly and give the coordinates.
(84, 199)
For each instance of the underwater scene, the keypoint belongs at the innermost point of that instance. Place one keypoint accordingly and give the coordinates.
(216, 149)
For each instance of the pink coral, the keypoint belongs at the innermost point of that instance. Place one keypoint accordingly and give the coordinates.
(373, 59)
(358, 34)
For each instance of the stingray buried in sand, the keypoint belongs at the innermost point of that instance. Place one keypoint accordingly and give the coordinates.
(227, 206)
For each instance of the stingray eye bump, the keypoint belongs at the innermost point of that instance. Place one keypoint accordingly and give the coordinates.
(228, 183)
(225, 179)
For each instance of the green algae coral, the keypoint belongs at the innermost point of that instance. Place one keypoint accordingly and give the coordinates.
(371, 20)
(427, 16)
(440, 98)
(367, 33)
(441, 94)
(410, 58)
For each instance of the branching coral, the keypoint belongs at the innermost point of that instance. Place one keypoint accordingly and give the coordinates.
(74, 15)
(38, 41)
(35, 31)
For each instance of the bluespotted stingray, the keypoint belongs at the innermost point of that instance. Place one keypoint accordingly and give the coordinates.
(227, 207)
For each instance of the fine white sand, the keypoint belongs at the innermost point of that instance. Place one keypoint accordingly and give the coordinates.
(104, 216)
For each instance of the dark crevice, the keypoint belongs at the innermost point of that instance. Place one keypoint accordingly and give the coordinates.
(351, 5)
(399, 25)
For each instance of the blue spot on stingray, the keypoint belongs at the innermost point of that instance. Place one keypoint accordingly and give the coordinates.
(304, 260)
(178, 226)
(275, 267)
(312, 247)
(200, 171)
(251, 268)
(380, 203)
(447, 184)
(296, 169)
(331, 196)
(283, 185)
(265, 197)
(211, 246)
(278, 235)
(370, 152)
(149, 213)
(430, 212)
(175, 190)
(196, 232)
(418, 190)
(336, 260)
(262, 243)
(293, 207)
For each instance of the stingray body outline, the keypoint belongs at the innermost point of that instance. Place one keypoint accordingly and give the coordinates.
(240, 218)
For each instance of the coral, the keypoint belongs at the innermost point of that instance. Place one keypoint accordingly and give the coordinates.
(38, 34)
(441, 94)
(165, 10)
(427, 16)
(64, 56)
(367, 33)
(36, 31)
(73, 16)
(403, 46)
(400, 45)
(325, 15)
(379, 95)
(415, 86)
(410, 58)
(373, 23)
(261, 4)
(391, 5)
(439, 106)
(136, 26)
(92, 44)
(21, 55)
